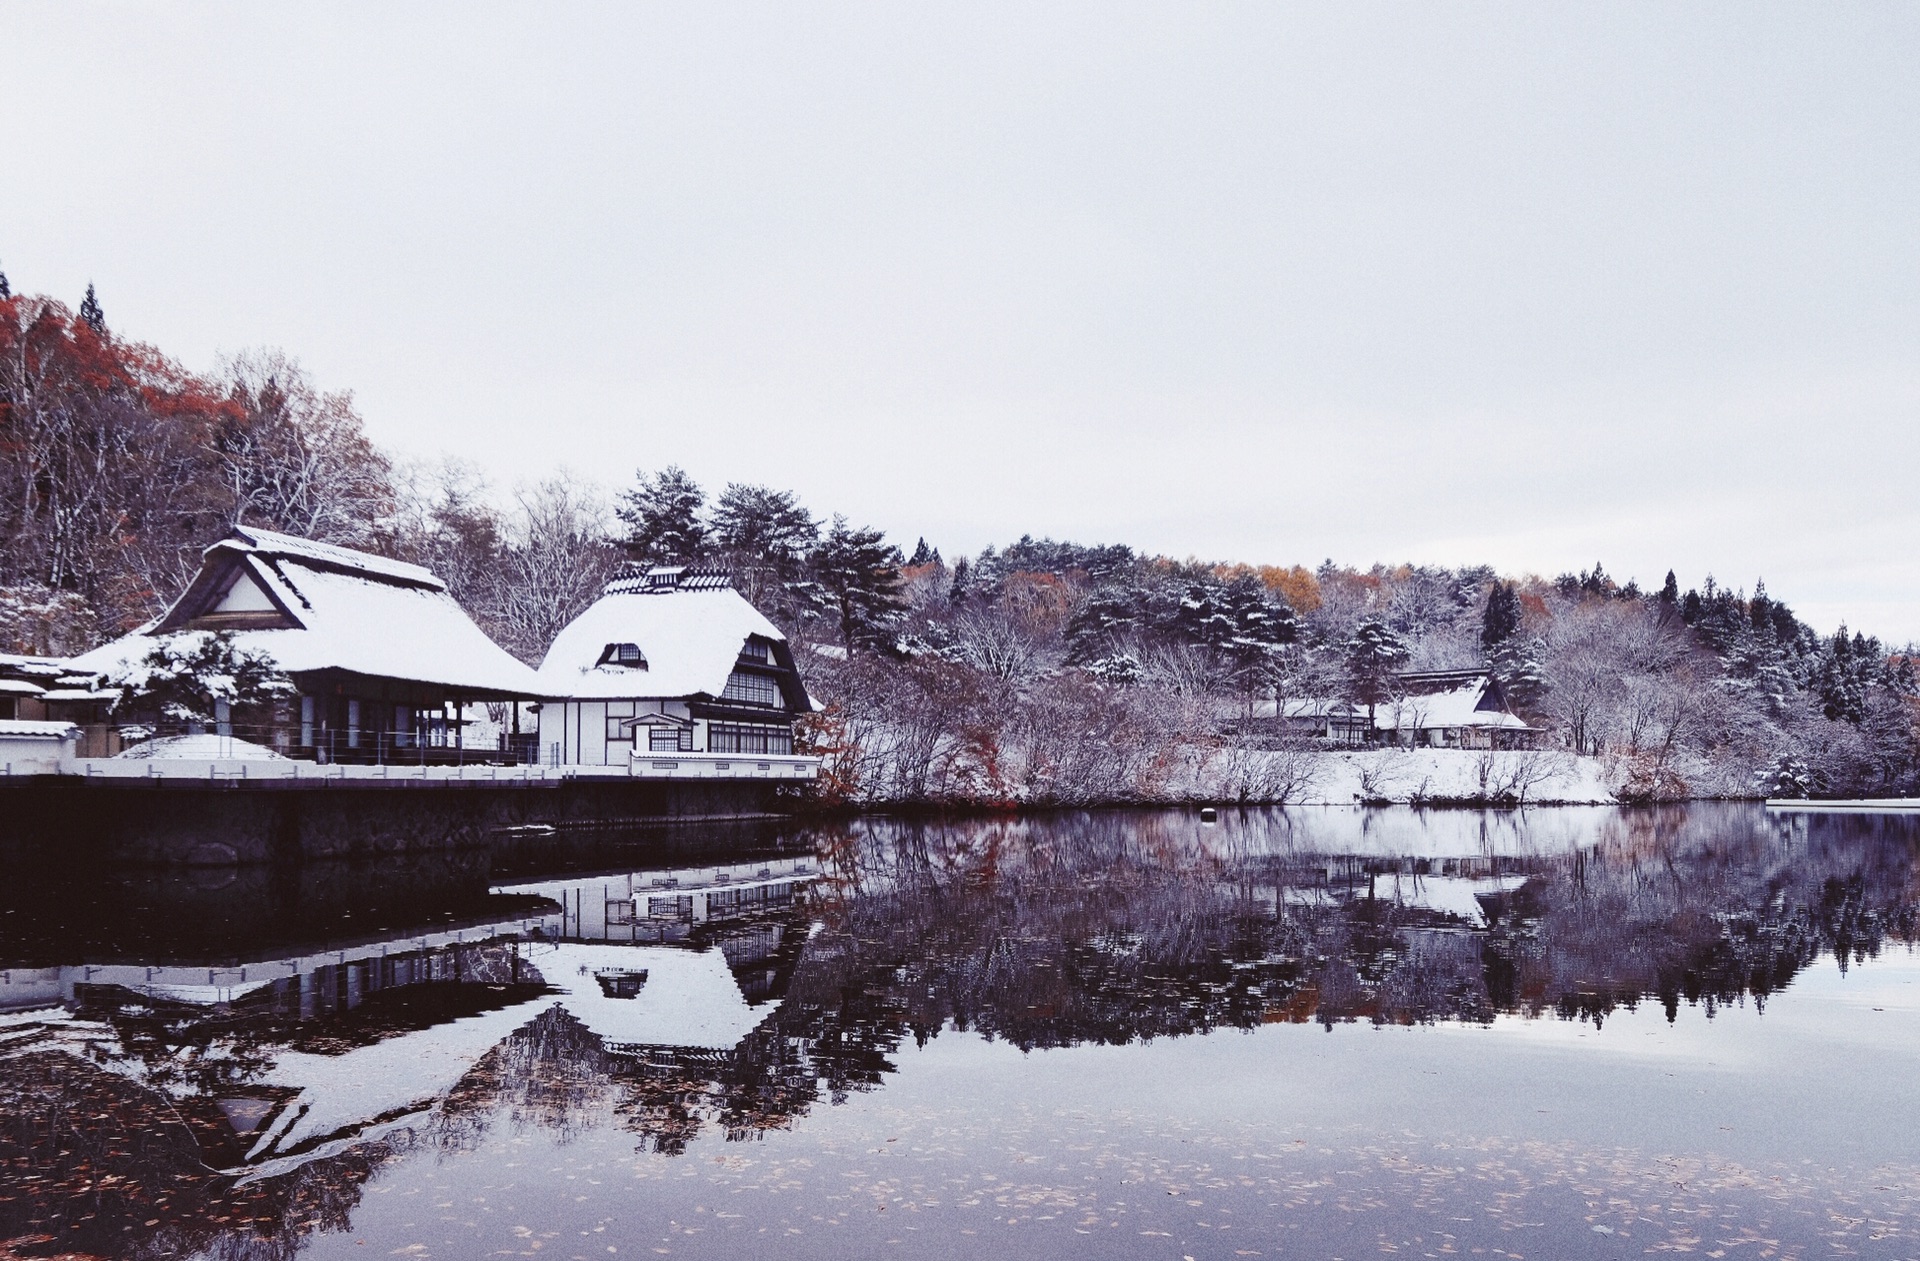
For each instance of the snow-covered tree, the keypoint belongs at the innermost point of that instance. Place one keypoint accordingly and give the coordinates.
(762, 535)
(1374, 654)
(854, 575)
(198, 678)
(662, 516)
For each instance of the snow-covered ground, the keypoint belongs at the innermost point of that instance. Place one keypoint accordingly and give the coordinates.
(1415, 775)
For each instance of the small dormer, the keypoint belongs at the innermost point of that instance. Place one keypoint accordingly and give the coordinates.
(624, 656)
(757, 651)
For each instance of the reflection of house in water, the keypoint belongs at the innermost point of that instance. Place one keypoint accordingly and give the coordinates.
(687, 958)
(301, 1057)
(1452, 898)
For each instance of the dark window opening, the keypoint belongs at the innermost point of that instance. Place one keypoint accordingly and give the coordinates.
(627, 655)
(736, 737)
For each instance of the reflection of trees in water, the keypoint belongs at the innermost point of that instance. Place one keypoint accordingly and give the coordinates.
(1670, 910)
(1045, 933)
(550, 1074)
(96, 1164)
(1112, 927)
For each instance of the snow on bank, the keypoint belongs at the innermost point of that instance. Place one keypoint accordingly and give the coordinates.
(1325, 777)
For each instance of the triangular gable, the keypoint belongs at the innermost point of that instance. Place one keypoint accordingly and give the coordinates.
(230, 592)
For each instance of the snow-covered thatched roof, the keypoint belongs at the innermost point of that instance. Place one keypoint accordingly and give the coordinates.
(1454, 698)
(689, 635)
(689, 998)
(311, 606)
(1427, 701)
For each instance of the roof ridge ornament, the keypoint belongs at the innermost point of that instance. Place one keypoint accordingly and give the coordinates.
(661, 579)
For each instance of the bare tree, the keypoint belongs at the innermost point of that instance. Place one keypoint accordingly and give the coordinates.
(558, 557)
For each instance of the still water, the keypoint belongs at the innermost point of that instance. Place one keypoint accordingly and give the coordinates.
(1303, 1033)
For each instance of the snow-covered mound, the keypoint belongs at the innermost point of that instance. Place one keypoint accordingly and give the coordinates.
(203, 748)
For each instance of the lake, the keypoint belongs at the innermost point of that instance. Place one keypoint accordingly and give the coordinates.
(1292, 1033)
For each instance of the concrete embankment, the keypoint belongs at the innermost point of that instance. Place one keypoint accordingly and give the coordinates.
(68, 820)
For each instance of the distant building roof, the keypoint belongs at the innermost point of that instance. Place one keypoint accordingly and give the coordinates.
(21, 729)
(312, 606)
(1438, 699)
(1428, 700)
(689, 626)
(48, 667)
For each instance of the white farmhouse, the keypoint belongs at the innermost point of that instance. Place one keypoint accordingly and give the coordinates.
(670, 660)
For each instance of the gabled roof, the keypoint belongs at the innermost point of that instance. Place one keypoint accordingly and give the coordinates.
(1454, 698)
(314, 607)
(689, 999)
(270, 545)
(690, 635)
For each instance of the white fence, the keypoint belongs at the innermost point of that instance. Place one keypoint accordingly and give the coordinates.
(677, 766)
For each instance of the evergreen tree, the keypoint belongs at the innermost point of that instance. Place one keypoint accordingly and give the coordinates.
(90, 312)
(856, 578)
(1107, 620)
(1502, 617)
(763, 535)
(1374, 655)
(1838, 679)
(662, 516)
(1518, 664)
(1760, 609)
(922, 554)
(770, 525)
(192, 678)
(962, 584)
(1670, 593)
(6, 290)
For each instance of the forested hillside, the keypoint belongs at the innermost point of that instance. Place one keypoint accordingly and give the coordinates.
(1037, 672)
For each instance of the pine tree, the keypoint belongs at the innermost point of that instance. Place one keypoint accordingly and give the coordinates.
(763, 535)
(856, 574)
(961, 586)
(90, 311)
(922, 554)
(1374, 654)
(1760, 609)
(1670, 593)
(766, 524)
(662, 515)
(1502, 617)
(6, 290)
(1518, 664)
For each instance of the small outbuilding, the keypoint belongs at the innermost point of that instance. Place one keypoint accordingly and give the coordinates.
(669, 660)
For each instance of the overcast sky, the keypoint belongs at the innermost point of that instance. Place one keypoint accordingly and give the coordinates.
(1535, 285)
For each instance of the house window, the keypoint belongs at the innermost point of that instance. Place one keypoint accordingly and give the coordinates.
(754, 651)
(627, 655)
(621, 984)
(669, 740)
(740, 737)
(619, 718)
(752, 689)
(306, 722)
(677, 908)
(353, 723)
